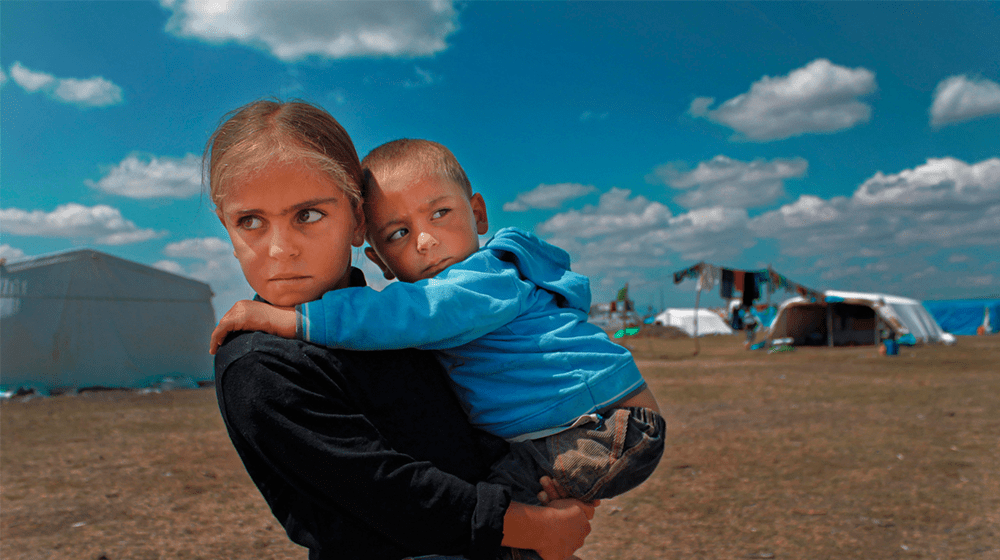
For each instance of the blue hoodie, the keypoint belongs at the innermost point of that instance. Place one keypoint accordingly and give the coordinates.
(510, 326)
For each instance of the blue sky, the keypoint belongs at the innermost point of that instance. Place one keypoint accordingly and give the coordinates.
(851, 145)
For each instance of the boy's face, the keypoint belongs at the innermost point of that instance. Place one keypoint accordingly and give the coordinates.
(292, 230)
(418, 228)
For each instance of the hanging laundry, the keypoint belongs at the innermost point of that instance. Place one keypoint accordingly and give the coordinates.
(749, 289)
(726, 285)
(738, 276)
(691, 272)
(708, 277)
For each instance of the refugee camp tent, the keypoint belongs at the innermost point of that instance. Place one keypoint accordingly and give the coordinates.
(709, 322)
(966, 316)
(82, 319)
(846, 318)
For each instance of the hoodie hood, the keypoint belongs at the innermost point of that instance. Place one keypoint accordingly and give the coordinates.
(543, 264)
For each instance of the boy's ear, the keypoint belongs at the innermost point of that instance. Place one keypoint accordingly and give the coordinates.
(479, 211)
(358, 239)
(373, 256)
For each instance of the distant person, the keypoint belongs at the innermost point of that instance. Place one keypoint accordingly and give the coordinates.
(360, 455)
(509, 322)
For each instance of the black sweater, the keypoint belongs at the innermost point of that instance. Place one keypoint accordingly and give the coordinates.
(362, 455)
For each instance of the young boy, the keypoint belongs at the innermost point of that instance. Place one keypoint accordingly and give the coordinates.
(509, 322)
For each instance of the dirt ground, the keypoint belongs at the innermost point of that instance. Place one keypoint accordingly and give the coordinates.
(811, 454)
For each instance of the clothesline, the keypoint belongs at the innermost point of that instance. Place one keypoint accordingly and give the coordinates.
(747, 282)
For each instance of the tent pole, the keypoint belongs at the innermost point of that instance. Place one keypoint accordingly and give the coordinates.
(829, 325)
(697, 298)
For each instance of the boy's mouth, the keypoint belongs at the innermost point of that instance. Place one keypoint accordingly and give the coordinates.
(288, 278)
(437, 267)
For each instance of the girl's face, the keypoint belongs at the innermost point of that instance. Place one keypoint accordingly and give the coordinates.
(292, 230)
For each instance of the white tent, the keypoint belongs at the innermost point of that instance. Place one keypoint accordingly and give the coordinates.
(87, 319)
(846, 318)
(709, 322)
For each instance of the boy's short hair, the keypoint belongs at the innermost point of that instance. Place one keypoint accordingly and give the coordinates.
(415, 157)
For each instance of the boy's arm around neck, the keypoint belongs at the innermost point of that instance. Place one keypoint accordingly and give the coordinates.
(463, 303)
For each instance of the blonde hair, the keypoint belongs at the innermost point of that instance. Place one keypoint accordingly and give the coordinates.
(266, 132)
(415, 158)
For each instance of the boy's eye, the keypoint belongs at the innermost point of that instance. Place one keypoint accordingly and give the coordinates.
(309, 216)
(250, 222)
(398, 234)
(440, 213)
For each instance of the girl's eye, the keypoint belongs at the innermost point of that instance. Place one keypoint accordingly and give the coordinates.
(441, 213)
(309, 216)
(398, 234)
(250, 222)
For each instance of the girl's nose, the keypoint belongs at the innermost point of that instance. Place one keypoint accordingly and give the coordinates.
(425, 241)
(282, 246)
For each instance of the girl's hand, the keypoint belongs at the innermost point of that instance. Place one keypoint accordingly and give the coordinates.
(249, 315)
(552, 490)
(555, 532)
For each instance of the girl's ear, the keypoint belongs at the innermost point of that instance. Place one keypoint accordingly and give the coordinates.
(479, 211)
(373, 256)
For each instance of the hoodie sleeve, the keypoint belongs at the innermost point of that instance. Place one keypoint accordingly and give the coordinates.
(464, 302)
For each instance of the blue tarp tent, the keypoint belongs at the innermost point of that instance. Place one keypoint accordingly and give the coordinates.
(964, 316)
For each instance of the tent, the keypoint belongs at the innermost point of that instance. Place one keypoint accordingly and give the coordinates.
(709, 322)
(846, 318)
(965, 316)
(84, 319)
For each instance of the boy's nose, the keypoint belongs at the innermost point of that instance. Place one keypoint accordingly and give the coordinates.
(425, 241)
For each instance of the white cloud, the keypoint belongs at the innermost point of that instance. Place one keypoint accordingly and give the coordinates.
(91, 92)
(982, 281)
(293, 30)
(628, 238)
(8, 252)
(424, 78)
(615, 213)
(948, 229)
(944, 203)
(959, 98)
(592, 116)
(938, 183)
(151, 177)
(3, 77)
(29, 80)
(728, 182)
(548, 196)
(100, 224)
(818, 98)
(199, 247)
(171, 267)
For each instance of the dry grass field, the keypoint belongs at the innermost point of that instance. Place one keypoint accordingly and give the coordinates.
(812, 454)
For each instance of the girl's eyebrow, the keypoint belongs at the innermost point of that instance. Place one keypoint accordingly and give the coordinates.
(294, 208)
(310, 203)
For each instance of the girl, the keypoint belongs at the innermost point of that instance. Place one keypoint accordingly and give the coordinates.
(358, 454)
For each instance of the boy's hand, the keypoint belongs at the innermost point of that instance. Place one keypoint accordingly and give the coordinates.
(248, 315)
